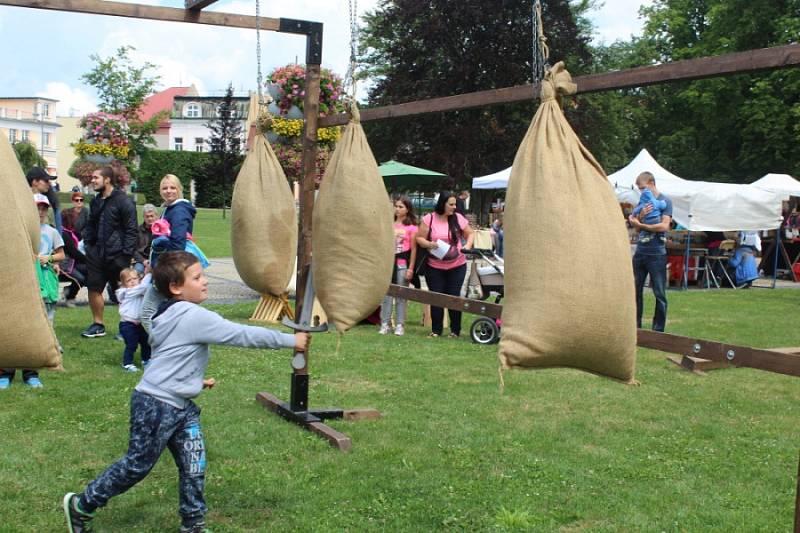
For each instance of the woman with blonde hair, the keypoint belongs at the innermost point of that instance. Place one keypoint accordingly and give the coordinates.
(179, 213)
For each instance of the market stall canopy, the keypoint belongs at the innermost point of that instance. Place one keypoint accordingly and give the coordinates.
(702, 205)
(396, 174)
(780, 183)
(498, 180)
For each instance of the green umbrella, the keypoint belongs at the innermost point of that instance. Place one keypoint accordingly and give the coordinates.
(408, 177)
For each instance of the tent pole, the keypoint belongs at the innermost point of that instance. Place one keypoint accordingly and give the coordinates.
(686, 260)
(778, 245)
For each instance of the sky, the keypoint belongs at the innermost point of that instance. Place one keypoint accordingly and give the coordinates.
(49, 61)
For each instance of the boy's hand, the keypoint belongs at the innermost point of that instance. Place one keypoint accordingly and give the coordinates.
(302, 341)
(209, 383)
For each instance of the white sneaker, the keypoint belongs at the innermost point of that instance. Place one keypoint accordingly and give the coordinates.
(69, 303)
(384, 329)
(399, 330)
(130, 368)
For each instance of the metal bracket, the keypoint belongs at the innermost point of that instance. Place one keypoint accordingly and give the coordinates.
(313, 33)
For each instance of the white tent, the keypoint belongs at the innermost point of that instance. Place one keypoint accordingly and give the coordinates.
(702, 205)
(498, 180)
(780, 183)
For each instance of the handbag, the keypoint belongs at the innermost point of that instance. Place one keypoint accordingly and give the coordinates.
(421, 262)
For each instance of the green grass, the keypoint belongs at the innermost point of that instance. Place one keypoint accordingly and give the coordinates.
(212, 232)
(558, 450)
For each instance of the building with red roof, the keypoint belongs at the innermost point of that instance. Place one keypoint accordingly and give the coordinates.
(163, 102)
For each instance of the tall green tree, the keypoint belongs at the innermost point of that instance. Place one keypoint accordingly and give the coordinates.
(122, 87)
(28, 156)
(419, 49)
(225, 157)
(733, 128)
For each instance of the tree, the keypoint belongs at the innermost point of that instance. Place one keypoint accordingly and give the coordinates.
(732, 128)
(417, 49)
(28, 156)
(225, 155)
(122, 88)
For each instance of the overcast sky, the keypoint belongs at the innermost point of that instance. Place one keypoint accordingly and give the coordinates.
(44, 53)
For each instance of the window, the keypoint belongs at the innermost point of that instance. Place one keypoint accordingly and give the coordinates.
(191, 110)
(46, 140)
(198, 144)
(25, 135)
(12, 135)
(46, 110)
(178, 144)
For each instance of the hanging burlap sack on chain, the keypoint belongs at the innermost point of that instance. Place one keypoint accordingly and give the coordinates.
(353, 238)
(26, 339)
(568, 278)
(263, 222)
(13, 176)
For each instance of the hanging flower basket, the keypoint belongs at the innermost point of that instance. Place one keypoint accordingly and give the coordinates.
(105, 137)
(279, 129)
(287, 85)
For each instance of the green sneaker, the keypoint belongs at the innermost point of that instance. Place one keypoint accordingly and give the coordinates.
(77, 520)
(200, 527)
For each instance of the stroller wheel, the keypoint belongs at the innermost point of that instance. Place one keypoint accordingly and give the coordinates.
(484, 331)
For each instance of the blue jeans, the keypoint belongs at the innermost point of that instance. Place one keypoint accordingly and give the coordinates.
(134, 335)
(656, 267)
(445, 282)
(156, 425)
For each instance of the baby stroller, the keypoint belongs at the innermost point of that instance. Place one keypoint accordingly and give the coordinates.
(485, 279)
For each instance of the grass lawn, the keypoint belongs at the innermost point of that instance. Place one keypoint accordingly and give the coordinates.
(211, 231)
(558, 450)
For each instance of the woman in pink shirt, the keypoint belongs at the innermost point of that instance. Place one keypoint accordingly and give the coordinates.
(446, 228)
(405, 253)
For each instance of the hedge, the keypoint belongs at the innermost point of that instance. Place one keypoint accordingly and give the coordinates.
(157, 163)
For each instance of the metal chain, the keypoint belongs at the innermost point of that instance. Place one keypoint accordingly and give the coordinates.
(350, 77)
(258, 52)
(541, 52)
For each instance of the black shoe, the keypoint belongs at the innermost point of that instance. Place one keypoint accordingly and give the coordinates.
(77, 520)
(95, 330)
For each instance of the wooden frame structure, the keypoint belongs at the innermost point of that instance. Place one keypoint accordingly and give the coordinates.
(735, 63)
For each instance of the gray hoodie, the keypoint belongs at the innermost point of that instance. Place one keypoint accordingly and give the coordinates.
(180, 337)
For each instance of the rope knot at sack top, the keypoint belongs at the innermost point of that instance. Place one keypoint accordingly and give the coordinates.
(557, 83)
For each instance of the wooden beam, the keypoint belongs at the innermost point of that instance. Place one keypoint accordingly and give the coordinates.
(690, 69)
(466, 305)
(198, 4)
(771, 361)
(141, 11)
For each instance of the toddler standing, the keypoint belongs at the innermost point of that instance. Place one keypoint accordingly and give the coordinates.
(131, 296)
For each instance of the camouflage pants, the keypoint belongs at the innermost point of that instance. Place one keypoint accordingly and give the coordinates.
(156, 425)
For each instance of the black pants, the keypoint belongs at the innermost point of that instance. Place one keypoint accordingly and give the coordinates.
(26, 374)
(445, 282)
(134, 335)
(156, 426)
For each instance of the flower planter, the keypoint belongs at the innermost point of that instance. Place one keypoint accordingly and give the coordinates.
(99, 159)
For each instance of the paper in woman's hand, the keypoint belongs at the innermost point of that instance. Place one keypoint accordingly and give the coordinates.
(441, 249)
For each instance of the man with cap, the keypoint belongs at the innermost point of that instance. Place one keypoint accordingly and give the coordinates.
(39, 182)
(110, 238)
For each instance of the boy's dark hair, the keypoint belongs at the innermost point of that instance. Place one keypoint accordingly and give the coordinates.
(171, 268)
(37, 173)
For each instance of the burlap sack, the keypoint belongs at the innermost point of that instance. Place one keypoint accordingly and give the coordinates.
(12, 175)
(263, 222)
(568, 278)
(26, 339)
(353, 238)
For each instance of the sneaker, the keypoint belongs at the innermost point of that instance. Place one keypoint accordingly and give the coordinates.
(70, 303)
(119, 337)
(399, 330)
(34, 383)
(130, 368)
(77, 520)
(145, 363)
(4, 383)
(384, 329)
(95, 330)
(199, 527)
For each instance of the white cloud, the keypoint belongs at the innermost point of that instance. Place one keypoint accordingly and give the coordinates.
(618, 19)
(71, 101)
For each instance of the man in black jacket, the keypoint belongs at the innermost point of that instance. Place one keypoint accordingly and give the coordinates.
(110, 239)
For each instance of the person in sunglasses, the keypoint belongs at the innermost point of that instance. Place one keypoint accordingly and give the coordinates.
(80, 210)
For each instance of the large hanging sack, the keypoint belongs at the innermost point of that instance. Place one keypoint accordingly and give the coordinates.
(26, 339)
(264, 223)
(568, 279)
(12, 175)
(353, 238)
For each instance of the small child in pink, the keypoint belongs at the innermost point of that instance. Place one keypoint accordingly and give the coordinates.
(405, 232)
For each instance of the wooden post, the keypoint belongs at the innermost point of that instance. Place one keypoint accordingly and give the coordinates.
(797, 503)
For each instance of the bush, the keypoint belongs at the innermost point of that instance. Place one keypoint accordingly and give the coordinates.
(156, 164)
